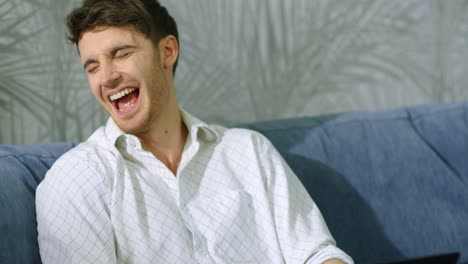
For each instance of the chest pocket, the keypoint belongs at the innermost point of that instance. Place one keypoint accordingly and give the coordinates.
(225, 227)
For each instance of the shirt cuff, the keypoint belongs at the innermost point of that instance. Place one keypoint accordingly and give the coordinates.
(330, 252)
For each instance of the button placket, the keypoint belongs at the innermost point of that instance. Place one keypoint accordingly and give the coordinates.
(155, 168)
(168, 177)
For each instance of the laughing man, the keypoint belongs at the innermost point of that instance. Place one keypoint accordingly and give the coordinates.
(157, 185)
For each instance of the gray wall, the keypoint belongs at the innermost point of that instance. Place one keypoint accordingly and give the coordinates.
(243, 61)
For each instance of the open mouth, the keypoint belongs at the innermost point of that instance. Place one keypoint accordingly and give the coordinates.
(125, 100)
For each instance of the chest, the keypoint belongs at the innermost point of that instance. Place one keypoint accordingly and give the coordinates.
(214, 204)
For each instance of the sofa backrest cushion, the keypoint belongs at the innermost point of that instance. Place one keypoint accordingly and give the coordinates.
(22, 168)
(390, 184)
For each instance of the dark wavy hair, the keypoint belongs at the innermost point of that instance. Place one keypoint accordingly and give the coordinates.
(146, 16)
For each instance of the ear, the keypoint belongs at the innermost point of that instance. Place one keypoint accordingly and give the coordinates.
(169, 51)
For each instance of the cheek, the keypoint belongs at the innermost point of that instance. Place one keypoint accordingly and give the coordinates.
(95, 88)
(146, 67)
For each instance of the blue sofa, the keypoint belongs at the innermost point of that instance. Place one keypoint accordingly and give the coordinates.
(391, 184)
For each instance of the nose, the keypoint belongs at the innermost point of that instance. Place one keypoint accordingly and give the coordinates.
(110, 77)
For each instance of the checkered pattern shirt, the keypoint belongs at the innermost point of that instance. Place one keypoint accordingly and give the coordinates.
(233, 200)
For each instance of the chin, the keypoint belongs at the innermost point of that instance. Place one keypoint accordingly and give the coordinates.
(133, 129)
(134, 126)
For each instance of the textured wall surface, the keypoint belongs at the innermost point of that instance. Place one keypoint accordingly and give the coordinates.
(243, 61)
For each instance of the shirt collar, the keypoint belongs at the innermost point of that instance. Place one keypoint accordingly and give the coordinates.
(117, 136)
(197, 129)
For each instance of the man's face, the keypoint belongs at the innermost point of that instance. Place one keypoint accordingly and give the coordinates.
(125, 73)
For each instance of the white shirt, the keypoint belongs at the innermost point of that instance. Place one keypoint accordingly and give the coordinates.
(233, 200)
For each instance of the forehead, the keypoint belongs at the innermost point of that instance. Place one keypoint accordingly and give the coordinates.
(102, 39)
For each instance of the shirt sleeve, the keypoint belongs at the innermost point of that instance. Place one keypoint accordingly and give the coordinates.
(73, 219)
(303, 234)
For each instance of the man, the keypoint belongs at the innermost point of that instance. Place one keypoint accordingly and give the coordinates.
(156, 185)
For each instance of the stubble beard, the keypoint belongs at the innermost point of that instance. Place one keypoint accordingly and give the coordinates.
(158, 91)
(142, 123)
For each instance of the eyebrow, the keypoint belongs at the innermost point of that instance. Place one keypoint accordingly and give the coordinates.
(112, 52)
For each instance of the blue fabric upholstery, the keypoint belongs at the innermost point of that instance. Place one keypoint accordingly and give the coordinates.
(22, 168)
(390, 184)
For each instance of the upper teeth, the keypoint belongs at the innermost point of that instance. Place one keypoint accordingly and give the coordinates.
(121, 93)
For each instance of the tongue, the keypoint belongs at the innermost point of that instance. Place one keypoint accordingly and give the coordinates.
(127, 102)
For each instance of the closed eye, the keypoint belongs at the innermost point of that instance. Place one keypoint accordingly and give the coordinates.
(122, 52)
(89, 64)
(92, 68)
(122, 55)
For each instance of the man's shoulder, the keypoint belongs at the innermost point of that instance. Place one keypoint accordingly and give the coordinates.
(85, 152)
(89, 151)
(243, 137)
(82, 162)
(242, 133)
(80, 174)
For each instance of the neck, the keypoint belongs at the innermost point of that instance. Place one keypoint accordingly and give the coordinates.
(166, 140)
